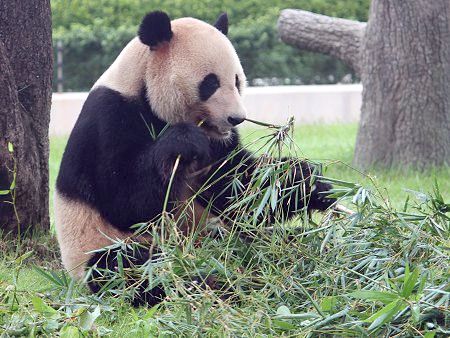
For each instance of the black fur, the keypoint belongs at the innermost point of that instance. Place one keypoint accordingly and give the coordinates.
(155, 29)
(208, 86)
(109, 159)
(105, 263)
(237, 83)
(187, 141)
(222, 23)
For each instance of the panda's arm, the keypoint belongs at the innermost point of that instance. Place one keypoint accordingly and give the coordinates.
(241, 164)
(135, 169)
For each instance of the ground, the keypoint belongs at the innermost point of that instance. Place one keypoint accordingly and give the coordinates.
(308, 285)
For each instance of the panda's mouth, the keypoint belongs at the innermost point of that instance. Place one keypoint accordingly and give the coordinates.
(215, 131)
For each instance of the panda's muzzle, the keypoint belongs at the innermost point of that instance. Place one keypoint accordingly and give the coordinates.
(234, 121)
(217, 124)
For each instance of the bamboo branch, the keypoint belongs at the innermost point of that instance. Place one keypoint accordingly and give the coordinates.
(341, 208)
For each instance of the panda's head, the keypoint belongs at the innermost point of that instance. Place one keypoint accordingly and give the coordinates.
(193, 73)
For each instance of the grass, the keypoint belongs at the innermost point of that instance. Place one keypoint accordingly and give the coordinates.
(334, 144)
(379, 273)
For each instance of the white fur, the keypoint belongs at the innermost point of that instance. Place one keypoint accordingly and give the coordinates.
(126, 73)
(80, 229)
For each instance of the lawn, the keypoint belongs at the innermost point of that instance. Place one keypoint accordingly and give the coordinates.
(380, 272)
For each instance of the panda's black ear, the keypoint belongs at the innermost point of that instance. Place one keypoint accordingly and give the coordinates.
(222, 23)
(155, 28)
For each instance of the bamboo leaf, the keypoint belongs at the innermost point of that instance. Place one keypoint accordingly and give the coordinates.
(385, 314)
(88, 318)
(120, 263)
(274, 198)
(284, 325)
(340, 182)
(283, 310)
(263, 202)
(410, 282)
(384, 297)
(41, 307)
(70, 332)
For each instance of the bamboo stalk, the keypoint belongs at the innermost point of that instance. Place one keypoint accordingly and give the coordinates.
(259, 123)
(341, 208)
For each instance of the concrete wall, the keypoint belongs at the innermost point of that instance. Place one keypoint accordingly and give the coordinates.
(309, 104)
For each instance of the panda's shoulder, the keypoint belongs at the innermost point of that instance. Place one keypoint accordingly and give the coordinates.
(104, 99)
(110, 110)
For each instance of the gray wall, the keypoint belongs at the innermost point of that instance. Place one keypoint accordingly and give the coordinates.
(308, 104)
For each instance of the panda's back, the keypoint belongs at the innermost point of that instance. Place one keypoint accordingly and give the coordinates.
(109, 131)
(110, 128)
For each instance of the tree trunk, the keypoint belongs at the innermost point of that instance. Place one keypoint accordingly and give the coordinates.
(25, 98)
(340, 38)
(403, 58)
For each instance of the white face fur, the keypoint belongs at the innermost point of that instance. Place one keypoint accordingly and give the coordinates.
(195, 77)
(173, 72)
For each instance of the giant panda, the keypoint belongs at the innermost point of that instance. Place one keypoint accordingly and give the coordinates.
(183, 80)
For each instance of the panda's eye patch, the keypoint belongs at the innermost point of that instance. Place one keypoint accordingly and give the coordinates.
(208, 86)
(237, 83)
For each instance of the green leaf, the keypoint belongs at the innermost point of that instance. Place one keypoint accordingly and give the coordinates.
(87, 318)
(421, 287)
(329, 304)
(301, 316)
(4, 192)
(41, 307)
(13, 184)
(340, 182)
(429, 335)
(415, 313)
(274, 198)
(51, 276)
(382, 296)
(410, 282)
(51, 324)
(283, 310)
(385, 314)
(120, 263)
(10, 147)
(151, 312)
(19, 260)
(284, 325)
(70, 332)
(263, 203)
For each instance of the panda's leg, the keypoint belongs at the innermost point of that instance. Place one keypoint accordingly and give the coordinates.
(102, 266)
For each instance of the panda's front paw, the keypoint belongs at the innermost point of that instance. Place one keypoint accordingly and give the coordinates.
(307, 173)
(319, 199)
(186, 141)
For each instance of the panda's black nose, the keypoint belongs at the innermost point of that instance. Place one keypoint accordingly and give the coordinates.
(234, 121)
